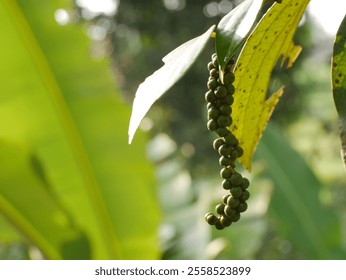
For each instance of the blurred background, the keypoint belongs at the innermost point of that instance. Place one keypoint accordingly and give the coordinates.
(297, 205)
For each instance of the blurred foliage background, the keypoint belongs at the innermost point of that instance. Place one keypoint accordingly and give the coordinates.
(63, 137)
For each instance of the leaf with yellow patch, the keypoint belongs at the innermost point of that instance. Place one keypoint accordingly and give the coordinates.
(339, 83)
(271, 38)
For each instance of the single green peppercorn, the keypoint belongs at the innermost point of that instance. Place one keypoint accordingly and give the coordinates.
(228, 78)
(222, 131)
(225, 173)
(221, 92)
(210, 218)
(230, 139)
(213, 113)
(233, 202)
(245, 195)
(226, 184)
(228, 100)
(210, 97)
(226, 221)
(236, 179)
(212, 125)
(245, 183)
(236, 192)
(239, 150)
(229, 211)
(233, 154)
(230, 89)
(218, 225)
(212, 84)
(224, 121)
(214, 73)
(225, 161)
(242, 207)
(218, 143)
(219, 208)
(215, 61)
(224, 150)
(210, 66)
(225, 110)
(235, 217)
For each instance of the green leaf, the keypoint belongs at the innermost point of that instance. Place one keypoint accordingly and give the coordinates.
(27, 203)
(300, 215)
(271, 39)
(233, 29)
(339, 83)
(64, 107)
(177, 63)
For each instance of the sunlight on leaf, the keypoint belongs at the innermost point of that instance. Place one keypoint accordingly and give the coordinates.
(339, 83)
(233, 29)
(177, 63)
(28, 203)
(65, 108)
(271, 38)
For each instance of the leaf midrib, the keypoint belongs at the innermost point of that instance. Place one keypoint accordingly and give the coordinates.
(77, 147)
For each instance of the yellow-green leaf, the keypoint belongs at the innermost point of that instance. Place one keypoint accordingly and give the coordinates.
(339, 82)
(271, 38)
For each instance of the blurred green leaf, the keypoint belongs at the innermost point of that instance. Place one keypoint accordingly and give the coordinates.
(27, 203)
(301, 217)
(271, 39)
(339, 82)
(63, 106)
(233, 29)
(177, 62)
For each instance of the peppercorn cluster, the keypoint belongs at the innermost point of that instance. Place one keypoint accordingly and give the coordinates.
(220, 99)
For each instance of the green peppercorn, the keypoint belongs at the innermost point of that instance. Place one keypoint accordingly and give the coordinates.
(218, 143)
(224, 150)
(225, 161)
(228, 100)
(218, 225)
(212, 125)
(236, 179)
(233, 154)
(242, 207)
(215, 61)
(245, 195)
(226, 221)
(245, 183)
(222, 131)
(214, 73)
(233, 202)
(224, 121)
(230, 139)
(235, 217)
(225, 197)
(236, 192)
(225, 110)
(212, 84)
(225, 173)
(228, 78)
(230, 89)
(210, 97)
(213, 113)
(229, 211)
(210, 218)
(219, 208)
(221, 92)
(239, 150)
(210, 66)
(226, 184)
